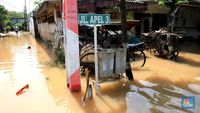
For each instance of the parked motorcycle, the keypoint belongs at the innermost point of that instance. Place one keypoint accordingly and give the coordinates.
(163, 43)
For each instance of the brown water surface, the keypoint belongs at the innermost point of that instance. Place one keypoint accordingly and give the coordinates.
(158, 87)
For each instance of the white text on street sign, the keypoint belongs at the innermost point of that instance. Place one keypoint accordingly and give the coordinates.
(93, 19)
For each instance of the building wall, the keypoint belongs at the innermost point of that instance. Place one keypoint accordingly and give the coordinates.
(31, 26)
(17, 20)
(46, 30)
(188, 21)
(188, 17)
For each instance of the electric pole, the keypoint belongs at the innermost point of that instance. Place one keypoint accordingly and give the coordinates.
(123, 20)
(25, 17)
(125, 38)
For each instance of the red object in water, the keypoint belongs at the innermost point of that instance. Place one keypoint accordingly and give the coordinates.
(22, 90)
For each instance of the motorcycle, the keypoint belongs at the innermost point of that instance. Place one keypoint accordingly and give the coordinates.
(163, 43)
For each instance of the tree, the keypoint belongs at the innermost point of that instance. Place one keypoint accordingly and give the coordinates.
(3, 16)
(14, 14)
(10, 16)
(37, 4)
(173, 6)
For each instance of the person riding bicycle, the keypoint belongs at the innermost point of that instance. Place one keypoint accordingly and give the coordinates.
(16, 30)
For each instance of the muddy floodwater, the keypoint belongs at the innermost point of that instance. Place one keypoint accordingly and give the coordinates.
(157, 88)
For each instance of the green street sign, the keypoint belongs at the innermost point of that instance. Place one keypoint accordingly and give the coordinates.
(93, 19)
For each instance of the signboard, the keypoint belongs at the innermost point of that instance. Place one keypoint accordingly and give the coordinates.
(93, 19)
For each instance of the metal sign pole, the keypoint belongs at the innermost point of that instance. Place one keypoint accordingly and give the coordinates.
(96, 59)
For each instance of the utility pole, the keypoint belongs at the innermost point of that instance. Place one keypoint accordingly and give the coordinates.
(25, 16)
(125, 38)
(123, 20)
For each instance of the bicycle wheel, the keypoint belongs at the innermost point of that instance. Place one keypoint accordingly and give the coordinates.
(89, 91)
(89, 57)
(138, 58)
(87, 61)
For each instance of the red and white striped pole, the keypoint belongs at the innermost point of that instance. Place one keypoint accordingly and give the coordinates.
(71, 43)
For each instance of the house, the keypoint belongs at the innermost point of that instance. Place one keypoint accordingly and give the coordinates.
(144, 16)
(17, 20)
(112, 7)
(154, 18)
(49, 21)
(187, 20)
(48, 16)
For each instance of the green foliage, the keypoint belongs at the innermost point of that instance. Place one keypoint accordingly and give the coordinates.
(14, 14)
(170, 3)
(19, 25)
(3, 15)
(182, 1)
(60, 56)
(37, 4)
(6, 16)
(8, 23)
(8, 27)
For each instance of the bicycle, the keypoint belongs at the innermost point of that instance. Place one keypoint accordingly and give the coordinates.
(163, 46)
(136, 54)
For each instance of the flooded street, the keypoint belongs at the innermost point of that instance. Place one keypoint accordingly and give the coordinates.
(157, 88)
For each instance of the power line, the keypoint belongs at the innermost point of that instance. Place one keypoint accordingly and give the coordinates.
(25, 16)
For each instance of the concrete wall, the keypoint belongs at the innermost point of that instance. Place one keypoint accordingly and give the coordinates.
(46, 30)
(31, 26)
(188, 20)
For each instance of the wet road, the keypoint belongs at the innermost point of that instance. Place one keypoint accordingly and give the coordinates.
(158, 87)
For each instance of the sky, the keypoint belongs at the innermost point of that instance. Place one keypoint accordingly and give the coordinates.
(17, 5)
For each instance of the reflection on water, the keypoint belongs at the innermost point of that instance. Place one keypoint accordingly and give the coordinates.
(197, 78)
(194, 87)
(147, 84)
(20, 66)
(157, 89)
(162, 99)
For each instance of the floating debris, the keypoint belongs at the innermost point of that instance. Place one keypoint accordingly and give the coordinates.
(22, 90)
(29, 47)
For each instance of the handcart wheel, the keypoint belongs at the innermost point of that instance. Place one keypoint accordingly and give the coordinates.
(89, 91)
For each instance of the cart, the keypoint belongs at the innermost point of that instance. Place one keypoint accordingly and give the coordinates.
(111, 65)
(108, 63)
